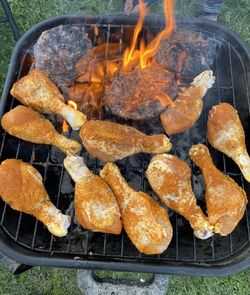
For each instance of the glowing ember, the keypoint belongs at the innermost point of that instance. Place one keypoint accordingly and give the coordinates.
(65, 126)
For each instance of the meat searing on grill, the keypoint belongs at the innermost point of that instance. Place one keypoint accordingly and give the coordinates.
(29, 125)
(21, 186)
(170, 178)
(226, 134)
(38, 92)
(110, 141)
(186, 54)
(145, 221)
(141, 94)
(58, 50)
(225, 200)
(96, 207)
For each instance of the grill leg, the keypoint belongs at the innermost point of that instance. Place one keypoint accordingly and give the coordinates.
(89, 286)
(11, 19)
(14, 267)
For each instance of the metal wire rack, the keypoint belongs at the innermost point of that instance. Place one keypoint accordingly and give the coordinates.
(231, 69)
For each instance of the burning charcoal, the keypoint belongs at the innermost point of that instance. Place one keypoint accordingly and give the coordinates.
(57, 51)
(187, 54)
(142, 94)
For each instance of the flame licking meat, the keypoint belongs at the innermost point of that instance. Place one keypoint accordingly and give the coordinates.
(65, 126)
(143, 89)
(146, 53)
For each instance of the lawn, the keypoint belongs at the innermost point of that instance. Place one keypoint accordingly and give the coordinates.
(42, 280)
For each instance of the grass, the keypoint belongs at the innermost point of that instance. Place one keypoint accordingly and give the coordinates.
(41, 280)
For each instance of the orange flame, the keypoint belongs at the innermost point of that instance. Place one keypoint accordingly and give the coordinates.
(65, 126)
(128, 54)
(96, 31)
(146, 53)
(154, 45)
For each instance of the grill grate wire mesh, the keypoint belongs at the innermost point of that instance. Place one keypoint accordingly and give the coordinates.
(185, 247)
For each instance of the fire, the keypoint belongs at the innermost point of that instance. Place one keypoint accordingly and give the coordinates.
(146, 53)
(65, 126)
(97, 68)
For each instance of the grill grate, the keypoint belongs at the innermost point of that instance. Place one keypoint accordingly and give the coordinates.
(231, 86)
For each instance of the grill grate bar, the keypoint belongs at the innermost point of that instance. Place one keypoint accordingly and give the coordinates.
(88, 247)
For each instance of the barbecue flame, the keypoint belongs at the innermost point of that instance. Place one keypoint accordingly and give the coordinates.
(65, 126)
(146, 53)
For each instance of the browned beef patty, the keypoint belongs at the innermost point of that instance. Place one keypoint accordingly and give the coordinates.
(141, 94)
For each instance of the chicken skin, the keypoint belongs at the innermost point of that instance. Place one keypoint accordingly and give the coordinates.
(110, 141)
(170, 178)
(188, 105)
(21, 187)
(226, 134)
(145, 221)
(37, 91)
(29, 125)
(96, 207)
(226, 201)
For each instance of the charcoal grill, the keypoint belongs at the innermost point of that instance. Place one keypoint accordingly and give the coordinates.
(25, 239)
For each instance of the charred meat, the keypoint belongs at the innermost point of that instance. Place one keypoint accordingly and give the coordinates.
(141, 94)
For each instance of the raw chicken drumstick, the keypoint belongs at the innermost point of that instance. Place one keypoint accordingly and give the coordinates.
(37, 91)
(96, 207)
(170, 178)
(145, 221)
(21, 187)
(226, 134)
(188, 105)
(110, 141)
(226, 201)
(29, 125)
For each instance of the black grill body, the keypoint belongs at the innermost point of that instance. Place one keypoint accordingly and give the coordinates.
(25, 239)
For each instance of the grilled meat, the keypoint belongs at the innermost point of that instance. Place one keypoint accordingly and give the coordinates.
(38, 92)
(170, 178)
(226, 134)
(141, 94)
(188, 105)
(110, 141)
(29, 125)
(226, 201)
(186, 54)
(96, 207)
(57, 51)
(21, 187)
(145, 221)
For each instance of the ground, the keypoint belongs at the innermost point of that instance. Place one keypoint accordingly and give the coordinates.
(42, 280)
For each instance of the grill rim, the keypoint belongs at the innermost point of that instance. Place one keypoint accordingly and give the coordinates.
(9, 247)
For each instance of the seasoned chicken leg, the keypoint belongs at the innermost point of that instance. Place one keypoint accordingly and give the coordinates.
(188, 105)
(96, 207)
(226, 134)
(170, 178)
(110, 141)
(226, 201)
(145, 221)
(21, 187)
(29, 125)
(37, 91)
